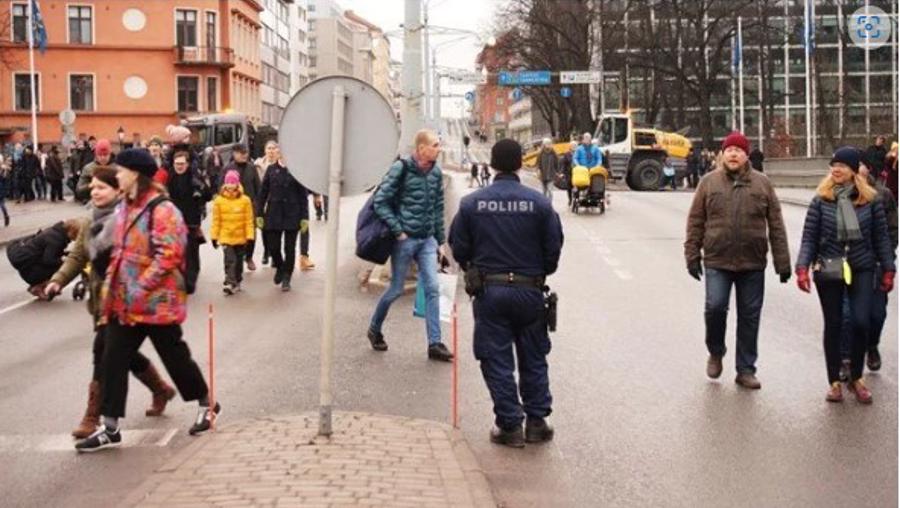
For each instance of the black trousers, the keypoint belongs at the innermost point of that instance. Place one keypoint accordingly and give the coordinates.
(831, 298)
(304, 243)
(192, 260)
(282, 261)
(139, 363)
(56, 190)
(123, 342)
(234, 263)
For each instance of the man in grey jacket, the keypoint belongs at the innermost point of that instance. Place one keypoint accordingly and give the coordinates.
(548, 164)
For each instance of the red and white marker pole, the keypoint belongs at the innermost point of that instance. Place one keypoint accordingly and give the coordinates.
(212, 370)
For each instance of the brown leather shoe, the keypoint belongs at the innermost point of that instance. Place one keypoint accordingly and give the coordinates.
(835, 393)
(748, 380)
(91, 418)
(714, 366)
(162, 392)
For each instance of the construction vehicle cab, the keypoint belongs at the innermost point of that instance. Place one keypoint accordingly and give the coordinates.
(221, 131)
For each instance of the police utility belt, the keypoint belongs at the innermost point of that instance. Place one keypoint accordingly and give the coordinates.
(476, 280)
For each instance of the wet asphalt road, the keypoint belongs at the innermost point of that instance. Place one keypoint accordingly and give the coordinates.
(638, 423)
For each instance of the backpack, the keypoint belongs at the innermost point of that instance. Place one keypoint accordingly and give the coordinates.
(374, 239)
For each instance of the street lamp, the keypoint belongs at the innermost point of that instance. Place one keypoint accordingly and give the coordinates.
(461, 36)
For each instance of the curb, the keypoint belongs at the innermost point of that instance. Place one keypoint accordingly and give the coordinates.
(142, 491)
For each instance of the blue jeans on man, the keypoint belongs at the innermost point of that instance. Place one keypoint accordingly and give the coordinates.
(749, 288)
(424, 252)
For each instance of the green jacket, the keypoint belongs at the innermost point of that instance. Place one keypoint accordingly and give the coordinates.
(76, 261)
(412, 201)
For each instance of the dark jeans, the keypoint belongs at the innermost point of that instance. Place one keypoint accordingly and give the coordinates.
(56, 190)
(123, 342)
(38, 272)
(139, 363)
(3, 207)
(234, 264)
(282, 261)
(40, 185)
(831, 298)
(304, 243)
(749, 288)
(877, 316)
(250, 248)
(192, 259)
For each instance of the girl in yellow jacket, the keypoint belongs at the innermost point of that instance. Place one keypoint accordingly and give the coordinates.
(232, 226)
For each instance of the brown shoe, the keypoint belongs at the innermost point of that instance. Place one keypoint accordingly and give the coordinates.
(714, 366)
(91, 418)
(858, 388)
(748, 380)
(162, 392)
(251, 266)
(306, 264)
(835, 393)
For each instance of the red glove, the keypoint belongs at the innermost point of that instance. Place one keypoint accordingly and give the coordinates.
(887, 282)
(803, 279)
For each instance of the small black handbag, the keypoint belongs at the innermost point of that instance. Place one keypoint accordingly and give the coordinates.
(831, 269)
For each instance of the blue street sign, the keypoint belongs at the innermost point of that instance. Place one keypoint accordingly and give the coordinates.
(506, 78)
(470, 96)
(566, 92)
(517, 94)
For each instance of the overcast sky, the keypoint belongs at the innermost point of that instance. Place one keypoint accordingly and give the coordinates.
(476, 15)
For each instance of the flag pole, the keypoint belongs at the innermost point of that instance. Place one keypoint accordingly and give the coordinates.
(806, 28)
(30, 30)
(740, 57)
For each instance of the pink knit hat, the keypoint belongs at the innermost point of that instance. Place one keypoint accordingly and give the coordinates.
(232, 178)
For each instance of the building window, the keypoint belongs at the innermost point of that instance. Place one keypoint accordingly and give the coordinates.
(282, 11)
(185, 28)
(212, 94)
(23, 91)
(187, 93)
(80, 21)
(313, 44)
(81, 92)
(211, 31)
(20, 22)
(312, 22)
(313, 61)
(283, 48)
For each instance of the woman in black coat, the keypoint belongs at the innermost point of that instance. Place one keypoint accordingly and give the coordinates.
(845, 227)
(282, 206)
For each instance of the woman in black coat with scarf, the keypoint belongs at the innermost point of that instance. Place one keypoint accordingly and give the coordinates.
(282, 210)
(844, 236)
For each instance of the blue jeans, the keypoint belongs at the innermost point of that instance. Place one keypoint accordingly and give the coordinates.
(424, 252)
(878, 316)
(750, 287)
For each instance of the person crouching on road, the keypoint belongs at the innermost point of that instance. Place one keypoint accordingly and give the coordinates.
(733, 209)
(410, 201)
(144, 295)
(514, 250)
(92, 250)
(232, 226)
(282, 212)
(845, 237)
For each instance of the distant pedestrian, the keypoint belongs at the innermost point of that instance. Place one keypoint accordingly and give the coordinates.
(548, 165)
(735, 214)
(5, 172)
(53, 170)
(668, 175)
(889, 174)
(756, 159)
(270, 156)
(588, 154)
(103, 156)
(320, 203)
(485, 175)
(845, 237)
(876, 154)
(473, 178)
(566, 163)
(250, 185)
(694, 163)
(30, 165)
(189, 192)
(410, 201)
(92, 249)
(144, 295)
(282, 212)
(233, 228)
(40, 178)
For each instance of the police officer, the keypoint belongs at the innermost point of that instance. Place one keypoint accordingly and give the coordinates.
(508, 238)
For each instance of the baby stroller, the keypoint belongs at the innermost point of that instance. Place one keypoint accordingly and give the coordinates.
(589, 188)
(80, 288)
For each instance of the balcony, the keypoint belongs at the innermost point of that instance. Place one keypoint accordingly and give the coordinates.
(204, 56)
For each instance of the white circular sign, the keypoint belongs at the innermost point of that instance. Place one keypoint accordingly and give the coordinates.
(135, 87)
(134, 20)
(869, 27)
(67, 117)
(371, 135)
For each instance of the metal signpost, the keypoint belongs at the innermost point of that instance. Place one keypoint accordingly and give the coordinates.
(357, 125)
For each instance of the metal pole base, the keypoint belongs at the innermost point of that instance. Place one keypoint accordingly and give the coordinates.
(325, 421)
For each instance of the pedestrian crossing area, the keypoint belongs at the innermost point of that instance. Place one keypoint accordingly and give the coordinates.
(131, 438)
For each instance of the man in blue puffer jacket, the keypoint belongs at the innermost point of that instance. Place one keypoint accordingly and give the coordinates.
(410, 201)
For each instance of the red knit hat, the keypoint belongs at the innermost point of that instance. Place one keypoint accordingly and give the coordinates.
(736, 139)
(103, 147)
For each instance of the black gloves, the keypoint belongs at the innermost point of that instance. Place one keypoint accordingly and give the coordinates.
(695, 269)
(215, 244)
(784, 277)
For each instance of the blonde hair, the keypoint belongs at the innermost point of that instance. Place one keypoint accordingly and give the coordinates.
(424, 137)
(865, 192)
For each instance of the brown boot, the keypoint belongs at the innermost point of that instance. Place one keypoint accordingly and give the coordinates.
(162, 392)
(306, 264)
(91, 415)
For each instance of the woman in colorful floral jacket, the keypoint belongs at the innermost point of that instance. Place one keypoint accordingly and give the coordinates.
(144, 296)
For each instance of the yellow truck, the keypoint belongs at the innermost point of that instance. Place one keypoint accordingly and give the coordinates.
(633, 154)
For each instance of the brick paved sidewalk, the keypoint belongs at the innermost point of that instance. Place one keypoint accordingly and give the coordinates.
(370, 460)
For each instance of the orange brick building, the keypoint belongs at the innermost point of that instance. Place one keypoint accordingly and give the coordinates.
(134, 65)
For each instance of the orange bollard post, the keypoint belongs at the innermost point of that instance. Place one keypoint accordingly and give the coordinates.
(454, 389)
(212, 369)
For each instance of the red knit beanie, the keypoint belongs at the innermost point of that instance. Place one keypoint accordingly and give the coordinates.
(736, 139)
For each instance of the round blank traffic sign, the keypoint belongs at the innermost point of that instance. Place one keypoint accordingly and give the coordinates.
(371, 135)
(67, 117)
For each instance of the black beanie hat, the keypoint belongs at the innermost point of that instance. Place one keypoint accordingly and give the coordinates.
(848, 155)
(506, 156)
(137, 159)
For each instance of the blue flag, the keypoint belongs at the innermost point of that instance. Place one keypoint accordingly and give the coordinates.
(39, 31)
(737, 52)
(809, 28)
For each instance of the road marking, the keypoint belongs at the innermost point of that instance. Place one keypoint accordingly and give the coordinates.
(623, 274)
(131, 438)
(167, 437)
(17, 306)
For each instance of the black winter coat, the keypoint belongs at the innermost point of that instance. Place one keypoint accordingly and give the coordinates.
(45, 248)
(283, 202)
(820, 237)
(190, 194)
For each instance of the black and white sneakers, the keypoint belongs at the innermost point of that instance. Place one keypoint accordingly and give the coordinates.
(204, 417)
(100, 439)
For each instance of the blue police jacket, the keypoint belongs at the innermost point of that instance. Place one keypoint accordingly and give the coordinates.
(507, 227)
(588, 156)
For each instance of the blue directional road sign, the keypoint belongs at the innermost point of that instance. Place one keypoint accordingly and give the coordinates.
(517, 94)
(470, 96)
(565, 92)
(506, 78)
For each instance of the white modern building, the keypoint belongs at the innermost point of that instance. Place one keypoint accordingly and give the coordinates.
(284, 55)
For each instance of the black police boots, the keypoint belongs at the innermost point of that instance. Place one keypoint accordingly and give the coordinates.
(537, 430)
(377, 341)
(514, 438)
